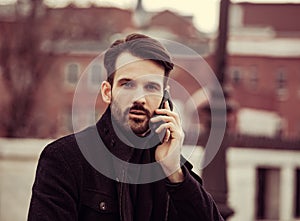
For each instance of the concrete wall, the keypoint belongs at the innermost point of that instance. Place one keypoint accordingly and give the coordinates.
(18, 160)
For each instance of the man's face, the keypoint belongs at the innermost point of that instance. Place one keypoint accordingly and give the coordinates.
(136, 92)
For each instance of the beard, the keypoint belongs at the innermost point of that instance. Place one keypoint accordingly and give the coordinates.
(131, 124)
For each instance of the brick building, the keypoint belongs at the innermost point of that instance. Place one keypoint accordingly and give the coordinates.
(264, 74)
(75, 37)
(264, 63)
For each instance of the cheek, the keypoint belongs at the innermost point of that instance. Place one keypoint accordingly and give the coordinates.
(120, 103)
(154, 102)
(120, 97)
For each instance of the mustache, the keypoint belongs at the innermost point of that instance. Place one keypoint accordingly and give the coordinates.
(138, 107)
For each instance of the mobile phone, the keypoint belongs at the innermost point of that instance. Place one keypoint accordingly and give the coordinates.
(158, 138)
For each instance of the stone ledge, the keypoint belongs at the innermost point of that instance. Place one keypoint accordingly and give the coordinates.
(22, 149)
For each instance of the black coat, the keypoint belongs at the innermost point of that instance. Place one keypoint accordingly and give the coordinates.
(68, 188)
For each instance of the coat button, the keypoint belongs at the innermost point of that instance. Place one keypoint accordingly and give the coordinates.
(102, 206)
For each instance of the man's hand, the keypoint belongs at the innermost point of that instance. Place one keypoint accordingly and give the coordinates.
(168, 153)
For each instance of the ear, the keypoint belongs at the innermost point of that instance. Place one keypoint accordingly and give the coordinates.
(106, 92)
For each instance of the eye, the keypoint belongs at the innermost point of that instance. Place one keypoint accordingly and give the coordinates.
(128, 84)
(152, 87)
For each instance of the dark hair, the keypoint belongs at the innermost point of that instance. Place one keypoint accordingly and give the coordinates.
(140, 46)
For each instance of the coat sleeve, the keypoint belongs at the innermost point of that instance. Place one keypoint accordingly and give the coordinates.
(191, 201)
(54, 192)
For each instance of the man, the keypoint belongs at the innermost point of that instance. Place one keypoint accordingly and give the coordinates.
(99, 173)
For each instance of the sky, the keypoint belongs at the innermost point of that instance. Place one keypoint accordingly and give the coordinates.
(205, 12)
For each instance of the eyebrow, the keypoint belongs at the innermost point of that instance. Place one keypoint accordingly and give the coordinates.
(124, 80)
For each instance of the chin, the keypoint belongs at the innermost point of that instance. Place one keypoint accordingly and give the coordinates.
(139, 129)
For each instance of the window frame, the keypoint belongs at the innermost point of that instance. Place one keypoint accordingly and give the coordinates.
(67, 72)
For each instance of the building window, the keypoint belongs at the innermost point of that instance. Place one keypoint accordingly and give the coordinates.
(267, 193)
(72, 74)
(297, 194)
(281, 84)
(94, 77)
(235, 75)
(253, 77)
(298, 87)
(281, 78)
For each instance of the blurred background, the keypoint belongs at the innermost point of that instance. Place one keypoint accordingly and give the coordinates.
(253, 48)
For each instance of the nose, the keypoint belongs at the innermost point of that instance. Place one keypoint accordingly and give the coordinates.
(139, 96)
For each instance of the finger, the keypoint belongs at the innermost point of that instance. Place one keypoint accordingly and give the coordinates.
(163, 118)
(167, 136)
(167, 105)
(169, 113)
(163, 111)
(165, 126)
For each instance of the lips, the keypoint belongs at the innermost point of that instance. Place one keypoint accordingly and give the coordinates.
(137, 112)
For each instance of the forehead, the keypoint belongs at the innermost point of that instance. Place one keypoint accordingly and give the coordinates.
(132, 67)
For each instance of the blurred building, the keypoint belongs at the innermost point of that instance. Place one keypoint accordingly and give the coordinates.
(263, 68)
(263, 73)
(75, 37)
